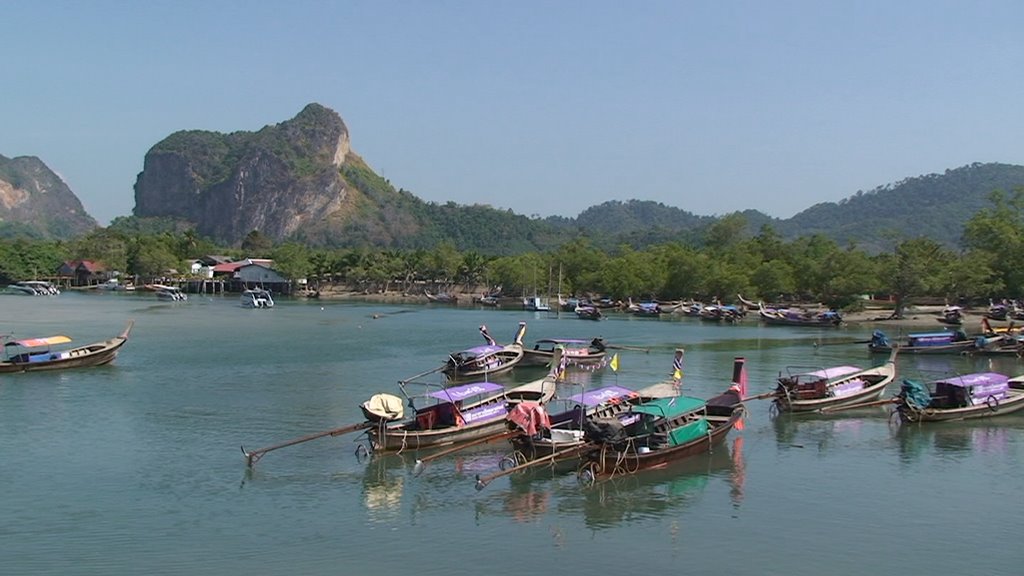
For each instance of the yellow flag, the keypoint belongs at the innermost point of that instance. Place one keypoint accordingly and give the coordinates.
(677, 375)
(614, 365)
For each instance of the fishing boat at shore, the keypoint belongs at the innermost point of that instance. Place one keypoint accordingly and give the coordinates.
(457, 414)
(799, 317)
(167, 293)
(588, 312)
(945, 342)
(570, 351)
(34, 288)
(489, 360)
(36, 354)
(967, 397)
(803, 390)
(256, 298)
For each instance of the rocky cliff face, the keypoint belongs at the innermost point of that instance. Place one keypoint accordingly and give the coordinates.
(34, 201)
(277, 180)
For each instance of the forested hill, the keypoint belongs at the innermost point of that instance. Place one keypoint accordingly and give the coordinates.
(934, 206)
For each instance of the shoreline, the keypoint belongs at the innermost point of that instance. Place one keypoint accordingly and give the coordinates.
(917, 317)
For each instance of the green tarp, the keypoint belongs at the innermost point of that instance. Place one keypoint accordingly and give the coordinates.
(688, 433)
(669, 407)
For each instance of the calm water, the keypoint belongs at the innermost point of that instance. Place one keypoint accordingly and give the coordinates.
(135, 468)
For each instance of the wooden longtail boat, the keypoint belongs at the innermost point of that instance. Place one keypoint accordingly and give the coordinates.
(565, 429)
(573, 352)
(457, 414)
(829, 388)
(945, 342)
(668, 430)
(484, 362)
(797, 317)
(977, 395)
(32, 354)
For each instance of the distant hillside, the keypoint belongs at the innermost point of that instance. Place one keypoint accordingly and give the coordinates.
(36, 203)
(300, 180)
(934, 206)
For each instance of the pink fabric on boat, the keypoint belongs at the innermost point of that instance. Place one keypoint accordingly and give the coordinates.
(530, 417)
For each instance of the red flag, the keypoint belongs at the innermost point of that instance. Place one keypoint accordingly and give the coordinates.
(739, 375)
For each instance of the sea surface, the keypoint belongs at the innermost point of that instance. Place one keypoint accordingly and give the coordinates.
(136, 467)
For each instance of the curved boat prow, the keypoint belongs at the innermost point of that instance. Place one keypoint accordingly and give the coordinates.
(520, 333)
(127, 330)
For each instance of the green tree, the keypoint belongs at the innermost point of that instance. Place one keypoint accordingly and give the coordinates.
(256, 245)
(998, 233)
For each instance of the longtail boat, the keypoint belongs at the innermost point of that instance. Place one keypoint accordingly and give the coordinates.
(457, 414)
(32, 354)
(977, 395)
(564, 430)
(802, 390)
(799, 317)
(574, 352)
(667, 430)
(944, 342)
(484, 362)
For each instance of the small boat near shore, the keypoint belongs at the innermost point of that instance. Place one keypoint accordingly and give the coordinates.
(36, 354)
(799, 317)
(945, 342)
(33, 288)
(967, 397)
(168, 293)
(256, 298)
(802, 390)
(482, 362)
(574, 352)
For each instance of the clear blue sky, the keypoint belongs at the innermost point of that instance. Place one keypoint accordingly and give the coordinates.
(542, 107)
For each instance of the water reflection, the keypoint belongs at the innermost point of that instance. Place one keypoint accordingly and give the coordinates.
(657, 493)
(822, 432)
(958, 440)
(384, 482)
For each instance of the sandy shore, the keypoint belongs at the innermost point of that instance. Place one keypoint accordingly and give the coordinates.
(917, 318)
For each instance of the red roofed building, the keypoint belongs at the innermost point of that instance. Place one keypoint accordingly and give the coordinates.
(82, 273)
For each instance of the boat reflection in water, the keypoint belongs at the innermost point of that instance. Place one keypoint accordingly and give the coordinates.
(824, 432)
(959, 440)
(383, 485)
(658, 493)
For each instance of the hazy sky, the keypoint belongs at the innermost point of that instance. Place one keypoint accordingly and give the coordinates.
(542, 107)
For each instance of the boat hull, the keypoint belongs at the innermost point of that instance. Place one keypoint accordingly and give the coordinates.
(87, 356)
(408, 436)
(1013, 402)
(877, 379)
(603, 462)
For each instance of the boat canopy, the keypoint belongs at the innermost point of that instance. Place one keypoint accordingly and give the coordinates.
(482, 350)
(669, 407)
(830, 373)
(39, 342)
(977, 379)
(457, 393)
(601, 395)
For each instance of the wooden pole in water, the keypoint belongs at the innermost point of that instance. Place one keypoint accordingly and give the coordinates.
(251, 458)
(418, 468)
